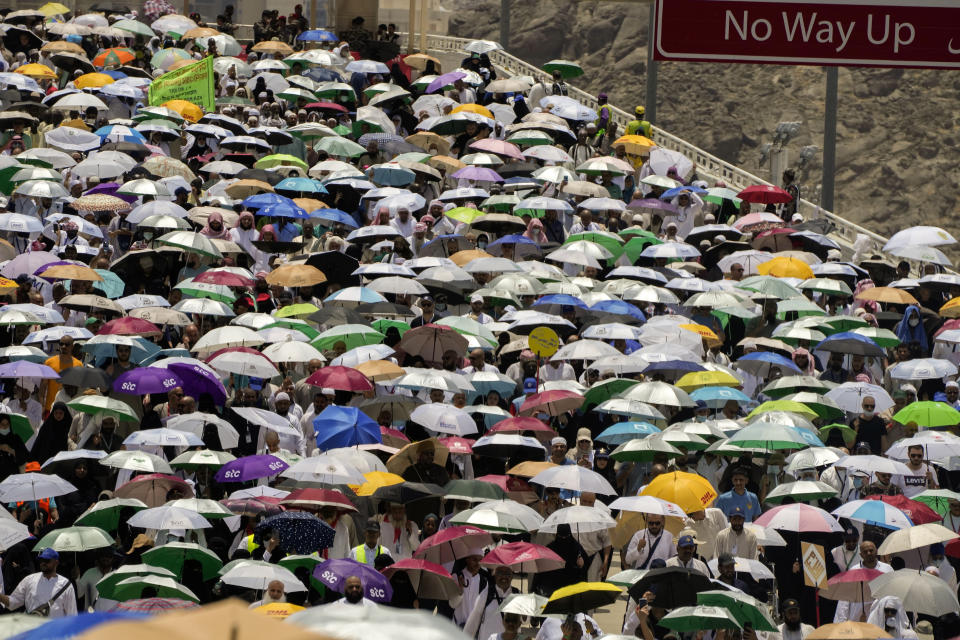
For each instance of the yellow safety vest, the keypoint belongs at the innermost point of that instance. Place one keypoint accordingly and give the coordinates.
(251, 545)
(362, 552)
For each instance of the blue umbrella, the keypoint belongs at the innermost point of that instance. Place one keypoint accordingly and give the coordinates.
(27, 369)
(562, 299)
(70, 626)
(445, 79)
(112, 285)
(317, 35)
(759, 363)
(164, 353)
(336, 216)
(523, 246)
(116, 75)
(850, 342)
(619, 307)
(716, 397)
(301, 185)
(120, 133)
(338, 427)
(319, 74)
(671, 193)
(144, 380)
(673, 366)
(250, 468)
(387, 175)
(625, 431)
(299, 532)
(334, 573)
(264, 200)
(284, 210)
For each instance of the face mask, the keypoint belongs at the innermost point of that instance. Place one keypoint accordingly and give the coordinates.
(868, 414)
(858, 482)
(774, 469)
(913, 321)
(147, 235)
(4, 432)
(891, 623)
(440, 306)
(481, 245)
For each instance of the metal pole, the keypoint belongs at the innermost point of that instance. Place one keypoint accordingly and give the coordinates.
(505, 24)
(651, 97)
(423, 25)
(829, 139)
(313, 14)
(412, 36)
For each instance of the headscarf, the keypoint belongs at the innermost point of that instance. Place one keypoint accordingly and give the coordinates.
(800, 351)
(52, 435)
(908, 334)
(878, 618)
(245, 237)
(210, 233)
(267, 228)
(535, 232)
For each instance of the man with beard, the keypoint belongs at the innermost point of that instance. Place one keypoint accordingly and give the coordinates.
(353, 593)
(274, 593)
(486, 613)
(686, 548)
(249, 432)
(289, 441)
(735, 539)
(792, 628)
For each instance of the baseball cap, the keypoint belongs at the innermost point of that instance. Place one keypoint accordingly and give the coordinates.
(583, 433)
(734, 511)
(851, 532)
(686, 541)
(372, 525)
(256, 384)
(49, 554)
(530, 385)
(790, 603)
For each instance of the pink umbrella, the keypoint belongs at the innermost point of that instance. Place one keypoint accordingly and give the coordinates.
(499, 147)
(393, 437)
(758, 218)
(343, 378)
(525, 557)
(553, 402)
(457, 444)
(225, 278)
(517, 488)
(129, 326)
(453, 543)
(482, 174)
(849, 585)
(521, 424)
(428, 579)
(799, 517)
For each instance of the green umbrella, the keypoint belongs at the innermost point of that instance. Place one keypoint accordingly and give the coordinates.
(133, 588)
(419, 157)
(928, 413)
(718, 195)
(173, 555)
(216, 292)
(839, 324)
(769, 285)
(106, 513)
(75, 539)
(20, 425)
(792, 384)
(529, 138)
(204, 458)
(463, 214)
(802, 491)
(638, 243)
(699, 618)
(280, 159)
(382, 324)
(937, 499)
(294, 562)
(110, 580)
(828, 286)
(293, 310)
(645, 450)
(469, 327)
(682, 439)
(801, 306)
(497, 297)
(112, 284)
(764, 435)
(606, 389)
(502, 203)
(826, 408)
(293, 323)
(627, 578)
(96, 405)
(6, 175)
(352, 335)
(340, 147)
(472, 491)
(783, 405)
(745, 609)
(566, 68)
(883, 337)
(133, 26)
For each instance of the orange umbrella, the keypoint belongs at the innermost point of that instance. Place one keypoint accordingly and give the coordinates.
(446, 162)
(39, 71)
(377, 370)
(200, 32)
(420, 60)
(273, 46)
(188, 110)
(529, 469)
(114, 56)
(460, 258)
(474, 108)
(887, 294)
(92, 80)
(296, 275)
(71, 272)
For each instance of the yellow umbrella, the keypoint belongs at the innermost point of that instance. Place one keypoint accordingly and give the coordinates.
(273, 46)
(529, 469)
(62, 46)
(848, 631)
(200, 32)
(40, 71)
(474, 108)
(887, 294)
(375, 480)
(785, 268)
(188, 110)
(460, 258)
(6, 285)
(582, 596)
(278, 609)
(54, 9)
(701, 330)
(689, 491)
(92, 80)
(375, 370)
(635, 145)
(310, 204)
(699, 379)
(71, 272)
(951, 309)
(427, 140)
(296, 275)
(420, 60)
(248, 187)
(784, 405)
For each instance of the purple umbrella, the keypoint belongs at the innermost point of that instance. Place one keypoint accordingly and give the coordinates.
(27, 369)
(144, 380)
(250, 468)
(652, 203)
(198, 381)
(443, 80)
(478, 173)
(334, 573)
(57, 263)
(110, 189)
(27, 263)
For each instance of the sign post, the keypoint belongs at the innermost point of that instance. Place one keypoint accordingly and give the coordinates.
(814, 569)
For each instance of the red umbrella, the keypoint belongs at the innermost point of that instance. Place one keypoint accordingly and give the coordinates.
(457, 444)
(313, 499)
(453, 543)
(765, 194)
(525, 557)
(953, 548)
(850, 585)
(428, 579)
(343, 378)
(552, 403)
(918, 512)
(517, 488)
(128, 326)
(225, 278)
(521, 424)
(330, 106)
(253, 506)
(393, 437)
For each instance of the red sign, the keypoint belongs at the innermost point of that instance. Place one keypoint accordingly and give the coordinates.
(881, 33)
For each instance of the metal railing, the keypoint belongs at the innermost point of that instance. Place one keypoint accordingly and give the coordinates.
(846, 232)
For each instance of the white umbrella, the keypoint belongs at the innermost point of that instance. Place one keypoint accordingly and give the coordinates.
(195, 423)
(527, 517)
(870, 464)
(167, 517)
(96, 167)
(292, 351)
(660, 393)
(648, 504)
(156, 208)
(923, 369)
(574, 478)
(137, 461)
(244, 364)
(397, 285)
(849, 396)
(204, 307)
(12, 532)
(268, 420)
(324, 468)
(812, 458)
(936, 445)
(581, 519)
(766, 536)
(444, 418)
(20, 223)
(916, 537)
(743, 565)
(163, 438)
(24, 487)
(363, 461)
(255, 574)
(584, 350)
(42, 189)
(361, 354)
(919, 591)
(919, 235)
(670, 250)
(611, 331)
(417, 378)
(79, 102)
(229, 336)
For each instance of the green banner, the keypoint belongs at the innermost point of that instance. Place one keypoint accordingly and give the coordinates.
(193, 83)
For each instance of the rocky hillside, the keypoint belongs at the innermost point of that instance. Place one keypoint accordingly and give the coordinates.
(897, 129)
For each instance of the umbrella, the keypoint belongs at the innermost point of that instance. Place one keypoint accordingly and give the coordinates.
(254, 574)
(801, 491)
(144, 380)
(574, 478)
(75, 539)
(798, 517)
(30, 487)
(428, 579)
(745, 609)
(505, 516)
(134, 587)
(173, 555)
(155, 605)
(874, 512)
(916, 537)
(674, 586)
(920, 592)
(298, 532)
(343, 378)
(250, 468)
(345, 427)
(524, 557)
(582, 596)
(431, 341)
(453, 543)
(580, 519)
(167, 517)
(333, 573)
(687, 490)
(105, 514)
(850, 585)
(699, 617)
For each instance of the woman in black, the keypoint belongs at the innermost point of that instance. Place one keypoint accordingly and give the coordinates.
(52, 436)
(13, 454)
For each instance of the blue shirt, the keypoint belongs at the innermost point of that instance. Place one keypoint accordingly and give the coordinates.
(747, 502)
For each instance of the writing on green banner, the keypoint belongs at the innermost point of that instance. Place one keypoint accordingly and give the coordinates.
(193, 83)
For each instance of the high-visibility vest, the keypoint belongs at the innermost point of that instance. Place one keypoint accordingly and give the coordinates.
(362, 552)
(43, 504)
(251, 545)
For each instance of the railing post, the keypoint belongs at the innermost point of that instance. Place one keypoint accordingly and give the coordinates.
(505, 24)
(829, 140)
(652, 69)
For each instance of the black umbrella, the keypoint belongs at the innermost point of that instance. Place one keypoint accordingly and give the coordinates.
(270, 177)
(332, 316)
(298, 532)
(337, 266)
(408, 492)
(86, 378)
(694, 239)
(713, 255)
(136, 72)
(272, 135)
(71, 62)
(385, 309)
(28, 107)
(9, 118)
(246, 159)
(230, 124)
(277, 247)
(343, 196)
(674, 586)
(18, 39)
(137, 151)
(519, 169)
